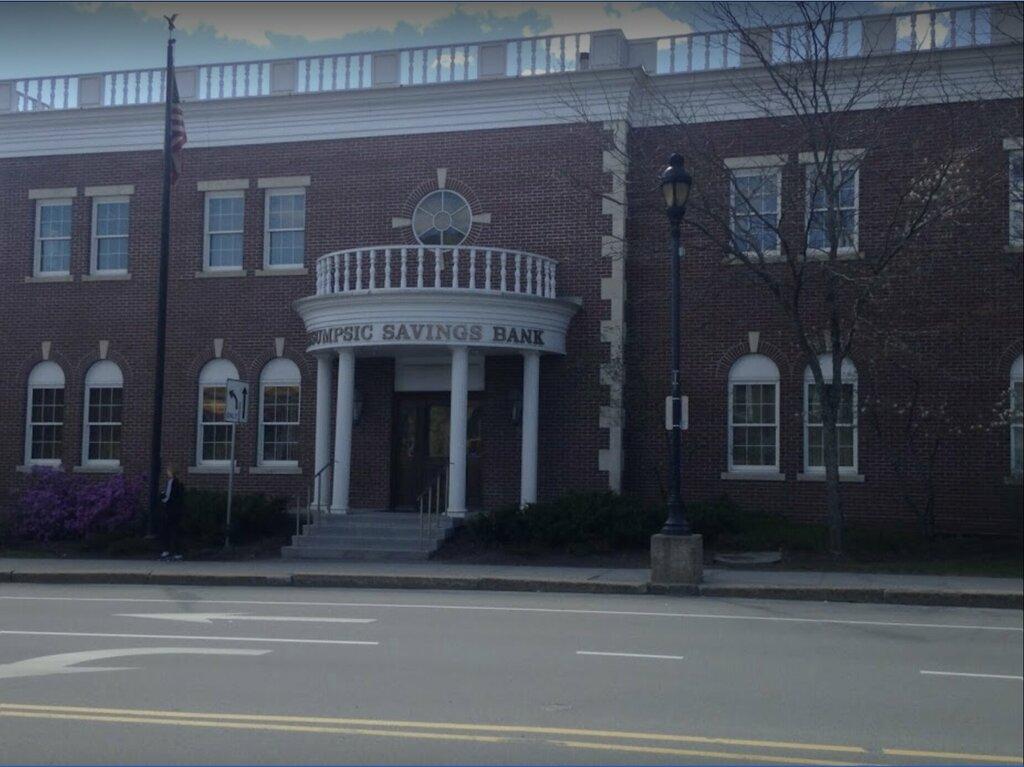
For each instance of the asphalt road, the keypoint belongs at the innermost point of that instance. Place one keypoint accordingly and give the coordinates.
(353, 676)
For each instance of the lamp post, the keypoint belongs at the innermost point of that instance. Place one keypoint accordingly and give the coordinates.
(675, 187)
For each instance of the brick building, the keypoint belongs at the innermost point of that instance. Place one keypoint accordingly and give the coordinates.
(454, 260)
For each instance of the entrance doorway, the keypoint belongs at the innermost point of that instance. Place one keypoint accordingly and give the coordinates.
(420, 447)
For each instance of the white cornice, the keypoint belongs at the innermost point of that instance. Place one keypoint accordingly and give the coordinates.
(441, 107)
(595, 96)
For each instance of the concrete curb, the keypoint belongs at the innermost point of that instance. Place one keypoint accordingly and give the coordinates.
(1006, 600)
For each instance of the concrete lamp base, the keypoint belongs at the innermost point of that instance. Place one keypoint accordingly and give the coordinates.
(677, 560)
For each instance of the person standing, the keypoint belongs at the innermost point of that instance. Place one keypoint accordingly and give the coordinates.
(171, 498)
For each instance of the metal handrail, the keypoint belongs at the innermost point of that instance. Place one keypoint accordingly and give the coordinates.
(313, 511)
(431, 503)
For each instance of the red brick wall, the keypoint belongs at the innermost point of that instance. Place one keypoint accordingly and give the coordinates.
(356, 187)
(955, 301)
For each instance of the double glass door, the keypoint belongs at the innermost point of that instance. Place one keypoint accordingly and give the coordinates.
(420, 450)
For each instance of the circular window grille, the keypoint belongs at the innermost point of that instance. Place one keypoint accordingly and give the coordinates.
(442, 217)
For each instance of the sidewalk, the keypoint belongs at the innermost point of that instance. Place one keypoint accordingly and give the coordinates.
(753, 584)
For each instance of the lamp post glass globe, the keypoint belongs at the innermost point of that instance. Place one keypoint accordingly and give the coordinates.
(675, 187)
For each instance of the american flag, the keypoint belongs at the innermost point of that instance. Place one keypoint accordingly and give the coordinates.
(177, 130)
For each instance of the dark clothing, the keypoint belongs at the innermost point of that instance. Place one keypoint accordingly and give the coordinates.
(172, 503)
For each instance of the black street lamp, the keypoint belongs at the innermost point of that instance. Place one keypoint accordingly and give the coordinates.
(675, 186)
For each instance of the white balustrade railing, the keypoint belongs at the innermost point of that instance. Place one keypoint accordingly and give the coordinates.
(417, 267)
(947, 27)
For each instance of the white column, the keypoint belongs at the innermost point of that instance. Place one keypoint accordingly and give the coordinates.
(531, 406)
(343, 430)
(322, 450)
(457, 432)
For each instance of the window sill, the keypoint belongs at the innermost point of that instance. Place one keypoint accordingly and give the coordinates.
(101, 277)
(754, 476)
(275, 470)
(1014, 249)
(50, 278)
(291, 271)
(814, 476)
(212, 469)
(99, 469)
(30, 467)
(842, 255)
(769, 258)
(1013, 479)
(220, 273)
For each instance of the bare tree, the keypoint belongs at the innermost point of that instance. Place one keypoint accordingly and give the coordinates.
(837, 92)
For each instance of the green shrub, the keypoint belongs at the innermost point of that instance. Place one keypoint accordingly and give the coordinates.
(253, 517)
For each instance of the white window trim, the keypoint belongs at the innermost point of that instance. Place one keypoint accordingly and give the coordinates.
(747, 468)
(38, 249)
(259, 437)
(86, 423)
(240, 194)
(29, 460)
(95, 238)
(840, 158)
(843, 470)
(1014, 205)
(281, 192)
(200, 460)
(756, 170)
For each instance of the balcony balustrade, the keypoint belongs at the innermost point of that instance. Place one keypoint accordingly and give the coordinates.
(411, 267)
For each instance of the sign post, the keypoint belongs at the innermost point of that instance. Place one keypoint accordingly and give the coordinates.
(236, 411)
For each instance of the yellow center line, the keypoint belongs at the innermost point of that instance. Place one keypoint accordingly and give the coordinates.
(459, 726)
(759, 758)
(995, 758)
(252, 726)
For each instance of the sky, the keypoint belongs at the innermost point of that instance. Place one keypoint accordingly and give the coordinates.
(52, 38)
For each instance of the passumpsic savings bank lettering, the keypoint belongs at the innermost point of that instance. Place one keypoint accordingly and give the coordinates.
(429, 332)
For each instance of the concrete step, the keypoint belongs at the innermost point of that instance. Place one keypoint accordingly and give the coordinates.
(336, 538)
(371, 528)
(360, 555)
(344, 542)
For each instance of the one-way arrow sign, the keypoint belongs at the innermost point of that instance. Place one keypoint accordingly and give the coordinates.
(210, 617)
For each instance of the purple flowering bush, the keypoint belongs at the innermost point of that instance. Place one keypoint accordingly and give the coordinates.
(60, 506)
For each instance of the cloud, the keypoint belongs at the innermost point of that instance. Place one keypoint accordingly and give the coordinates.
(260, 24)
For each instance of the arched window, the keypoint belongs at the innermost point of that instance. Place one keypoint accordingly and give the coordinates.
(280, 382)
(1017, 414)
(214, 433)
(846, 422)
(44, 432)
(101, 438)
(754, 414)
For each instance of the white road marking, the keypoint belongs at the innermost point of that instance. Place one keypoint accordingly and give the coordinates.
(978, 676)
(554, 610)
(188, 638)
(64, 663)
(210, 617)
(629, 655)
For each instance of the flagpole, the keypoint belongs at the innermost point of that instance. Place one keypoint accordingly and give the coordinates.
(161, 302)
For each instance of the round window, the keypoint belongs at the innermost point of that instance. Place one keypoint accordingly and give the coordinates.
(442, 218)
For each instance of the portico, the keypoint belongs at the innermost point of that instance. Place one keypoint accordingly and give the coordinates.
(440, 304)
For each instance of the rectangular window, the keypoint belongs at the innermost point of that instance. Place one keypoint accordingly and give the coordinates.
(832, 215)
(216, 432)
(103, 424)
(46, 425)
(285, 230)
(110, 234)
(753, 426)
(1017, 427)
(846, 429)
(53, 237)
(755, 210)
(1016, 186)
(280, 436)
(225, 214)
